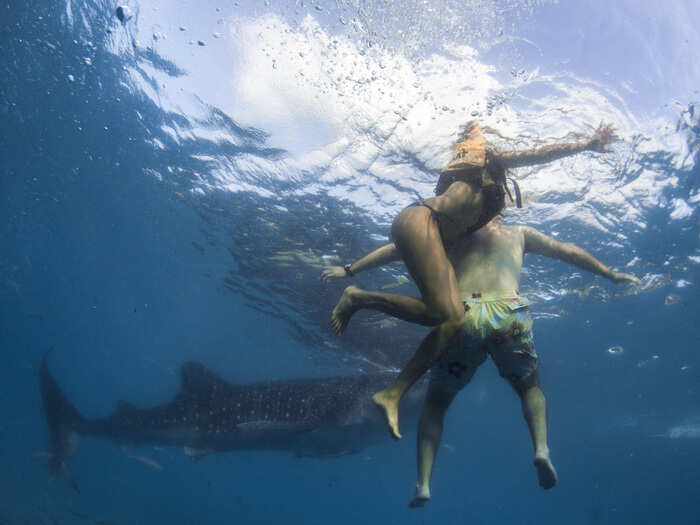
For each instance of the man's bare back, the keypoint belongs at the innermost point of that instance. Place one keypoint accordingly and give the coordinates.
(491, 260)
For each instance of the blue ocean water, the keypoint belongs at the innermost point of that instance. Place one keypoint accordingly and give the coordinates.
(172, 185)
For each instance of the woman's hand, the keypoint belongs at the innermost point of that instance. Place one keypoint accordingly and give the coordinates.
(618, 277)
(603, 136)
(332, 272)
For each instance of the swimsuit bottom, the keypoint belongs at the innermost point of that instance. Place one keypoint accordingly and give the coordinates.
(493, 202)
(499, 325)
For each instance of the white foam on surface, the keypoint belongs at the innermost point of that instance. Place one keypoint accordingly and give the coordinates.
(367, 114)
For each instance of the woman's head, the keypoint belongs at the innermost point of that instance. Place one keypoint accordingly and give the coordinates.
(469, 150)
(492, 173)
(472, 161)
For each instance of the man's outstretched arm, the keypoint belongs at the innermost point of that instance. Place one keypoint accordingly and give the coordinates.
(379, 257)
(537, 242)
(604, 135)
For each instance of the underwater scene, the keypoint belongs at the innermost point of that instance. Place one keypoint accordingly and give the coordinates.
(246, 246)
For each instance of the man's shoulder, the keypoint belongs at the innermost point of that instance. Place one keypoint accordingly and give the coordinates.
(516, 229)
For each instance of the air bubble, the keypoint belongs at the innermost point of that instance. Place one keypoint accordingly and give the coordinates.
(124, 14)
(616, 350)
(671, 299)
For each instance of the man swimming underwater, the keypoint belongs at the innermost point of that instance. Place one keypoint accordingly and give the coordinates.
(496, 322)
(470, 191)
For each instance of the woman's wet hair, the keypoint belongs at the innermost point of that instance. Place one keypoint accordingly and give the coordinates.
(494, 167)
(446, 179)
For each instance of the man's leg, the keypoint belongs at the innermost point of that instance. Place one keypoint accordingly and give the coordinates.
(437, 402)
(535, 412)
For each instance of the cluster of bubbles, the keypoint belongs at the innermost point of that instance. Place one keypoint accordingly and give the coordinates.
(376, 59)
(413, 28)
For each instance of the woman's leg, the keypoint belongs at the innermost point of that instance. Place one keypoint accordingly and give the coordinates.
(417, 236)
(430, 311)
(403, 307)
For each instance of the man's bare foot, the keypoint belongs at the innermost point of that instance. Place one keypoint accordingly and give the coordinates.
(545, 471)
(390, 410)
(344, 309)
(420, 498)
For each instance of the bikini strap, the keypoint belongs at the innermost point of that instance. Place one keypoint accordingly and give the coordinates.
(516, 188)
(438, 214)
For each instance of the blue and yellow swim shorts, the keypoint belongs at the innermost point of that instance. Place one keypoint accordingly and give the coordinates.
(499, 325)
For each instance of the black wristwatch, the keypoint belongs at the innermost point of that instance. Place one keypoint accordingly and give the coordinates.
(348, 271)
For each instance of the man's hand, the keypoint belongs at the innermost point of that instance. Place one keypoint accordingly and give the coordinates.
(618, 277)
(332, 272)
(604, 135)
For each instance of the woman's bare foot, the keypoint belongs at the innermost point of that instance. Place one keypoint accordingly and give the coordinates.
(545, 471)
(344, 309)
(420, 497)
(390, 409)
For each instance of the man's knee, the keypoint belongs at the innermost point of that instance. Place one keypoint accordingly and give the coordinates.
(436, 405)
(523, 384)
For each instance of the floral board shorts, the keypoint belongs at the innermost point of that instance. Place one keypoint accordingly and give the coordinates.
(499, 325)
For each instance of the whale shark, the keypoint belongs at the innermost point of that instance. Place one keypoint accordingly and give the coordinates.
(316, 417)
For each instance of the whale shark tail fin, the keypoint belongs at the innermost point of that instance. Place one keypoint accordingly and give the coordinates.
(64, 422)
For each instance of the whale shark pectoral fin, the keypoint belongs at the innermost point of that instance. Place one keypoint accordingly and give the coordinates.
(198, 453)
(308, 450)
(315, 444)
(151, 463)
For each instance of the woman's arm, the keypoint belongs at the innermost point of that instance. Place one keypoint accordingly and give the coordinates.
(379, 257)
(604, 135)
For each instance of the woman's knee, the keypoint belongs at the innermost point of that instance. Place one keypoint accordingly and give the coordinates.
(451, 326)
(446, 315)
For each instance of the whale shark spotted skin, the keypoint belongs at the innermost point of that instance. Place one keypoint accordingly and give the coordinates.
(318, 417)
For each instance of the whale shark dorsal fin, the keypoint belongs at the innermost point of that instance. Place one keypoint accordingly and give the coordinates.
(196, 379)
